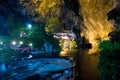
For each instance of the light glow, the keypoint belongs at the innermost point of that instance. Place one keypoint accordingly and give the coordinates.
(30, 56)
(63, 53)
(30, 44)
(29, 26)
(14, 43)
(1, 42)
(20, 42)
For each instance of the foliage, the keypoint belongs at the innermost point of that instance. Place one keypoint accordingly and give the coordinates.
(73, 45)
(5, 38)
(35, 35)
(53, 25)
(38, 36)
(61, 43)
(7, 55)
(109, 60)
(14, 27)
(50, 8)
(6, 41)
(37, 9)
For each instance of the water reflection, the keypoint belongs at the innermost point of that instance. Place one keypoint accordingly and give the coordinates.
(86, 64)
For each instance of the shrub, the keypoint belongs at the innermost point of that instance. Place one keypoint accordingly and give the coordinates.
(109, 60)
(73, 45)
(7, 55)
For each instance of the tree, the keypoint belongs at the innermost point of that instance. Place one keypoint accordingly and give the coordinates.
(109, 60)
(35, 35)
(14, 26)
(41, 9)
(7, 55)
(53, 26)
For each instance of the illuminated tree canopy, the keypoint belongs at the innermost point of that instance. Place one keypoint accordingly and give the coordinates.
(37, 9)
(53, 25)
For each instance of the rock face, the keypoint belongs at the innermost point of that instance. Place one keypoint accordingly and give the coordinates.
(94, 15)
(40, 69)
(95, 18)
(114, 15)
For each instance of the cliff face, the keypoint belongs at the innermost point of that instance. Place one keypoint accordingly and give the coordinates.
(94, 17)
(114, 15)
(94, 13)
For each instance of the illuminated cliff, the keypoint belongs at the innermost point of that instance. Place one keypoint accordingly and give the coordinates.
(94, 14)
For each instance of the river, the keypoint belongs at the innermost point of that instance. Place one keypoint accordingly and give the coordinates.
(86, 65)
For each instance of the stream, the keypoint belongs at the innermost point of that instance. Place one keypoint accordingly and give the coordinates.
(86, 65)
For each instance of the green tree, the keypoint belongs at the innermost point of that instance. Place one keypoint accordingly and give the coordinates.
(7, 55)
(53, 26)
(109, 60)
(14, 26)
(41, 10)
(35, 35)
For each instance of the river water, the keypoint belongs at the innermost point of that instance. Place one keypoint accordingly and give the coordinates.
(86, 65)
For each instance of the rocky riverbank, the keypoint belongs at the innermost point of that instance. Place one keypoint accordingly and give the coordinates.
(39, 69)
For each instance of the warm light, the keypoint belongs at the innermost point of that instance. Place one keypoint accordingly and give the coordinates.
(13, 43)
(20, 42)
(62, 53)
(97, 26)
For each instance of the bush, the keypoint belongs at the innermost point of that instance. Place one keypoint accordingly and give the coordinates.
(109, 60)
(73, 45)
(7, 55)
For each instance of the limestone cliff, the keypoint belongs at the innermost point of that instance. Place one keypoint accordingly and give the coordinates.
(94, 13)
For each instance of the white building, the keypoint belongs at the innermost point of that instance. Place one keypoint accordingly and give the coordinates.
(65, 35)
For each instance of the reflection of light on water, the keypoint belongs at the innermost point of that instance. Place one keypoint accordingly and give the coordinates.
(93, 50)
(63, 53)
(67, 52)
